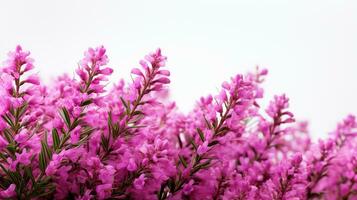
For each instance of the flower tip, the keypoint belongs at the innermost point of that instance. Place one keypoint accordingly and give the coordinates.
(18, 48)
(264, 72)
(158, 52)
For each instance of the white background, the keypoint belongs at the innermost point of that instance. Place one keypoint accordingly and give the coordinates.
(309, 47)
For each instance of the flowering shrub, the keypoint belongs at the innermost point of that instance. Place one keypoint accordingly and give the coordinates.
(75, 140)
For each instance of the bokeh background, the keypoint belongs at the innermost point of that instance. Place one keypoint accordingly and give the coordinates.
(309, 47)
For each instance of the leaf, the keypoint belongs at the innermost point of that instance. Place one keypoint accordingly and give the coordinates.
(55, 138)
(65, 116)
(13, 176)
(21, 110)
(138, 112)
(87, 131)
(208, 124)
(179, 140)
(8, 120)
(3, 157)
(43, 163)
(204, 165)
(81, 141)
(171, 184)
(214, 142)
(45, 154)
(75, 123)
(222, 131)
(160, 194)
(64, 139)
(115, 130)
(86, 102)
(12, 148)
(8, 135)
(105, 143)
(202, 136)
(193, 144)
(126, 105)
(110, 122)
(28, 171)
(183, 161)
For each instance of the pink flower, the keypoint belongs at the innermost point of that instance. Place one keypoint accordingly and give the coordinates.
(132, 142)
(132, 165)
(103, 191)
(33, 79)
(9, 192)
(22, 137)
(106, 175)
(139, 182)
(3, 143)
(188, 187)
(24, 158)
(202, 148)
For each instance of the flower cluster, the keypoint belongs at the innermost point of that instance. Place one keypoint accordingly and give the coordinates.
(79, 139)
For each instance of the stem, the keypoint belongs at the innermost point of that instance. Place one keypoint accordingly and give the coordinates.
(91, 75)
(142, 92)
(224, 117)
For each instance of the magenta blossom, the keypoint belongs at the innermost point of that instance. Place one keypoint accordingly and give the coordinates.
(80, 138)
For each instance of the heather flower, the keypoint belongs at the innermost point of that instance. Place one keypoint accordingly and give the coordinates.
(91, 72)
(3, 143)
(188, 188)
(9, 192)
(103, 191)
(23, 158)
(139, 182)
(289, 182)
(75, 140)
(202, 148)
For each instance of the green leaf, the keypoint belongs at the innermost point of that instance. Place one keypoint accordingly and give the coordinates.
(65, 116)
(126, 105)
(105, 143)
(13, 176)
(171, 184)
(21, 110)
(86, 131)
(183, 161)
(193, 144)
(214, 142)
(12, 148)
(208, 124)
(3, 157)
(160, 194)
(222, 131)
(28, 172)
(86, 102)
(115, 130)
(200, 166)
(45, 154)
(64, 139)
(138, 112)
(202, 136)
(56, 139)
(8, 135)
(179, 140)
(75, 123)
(8, 120)
(82, 140)
(205, 164)
(43, 163)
